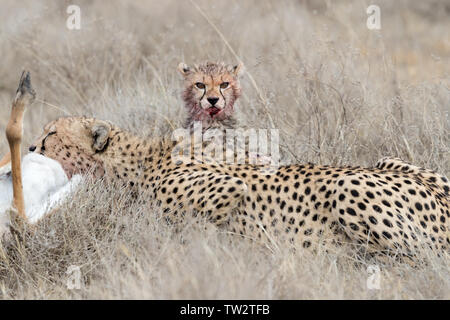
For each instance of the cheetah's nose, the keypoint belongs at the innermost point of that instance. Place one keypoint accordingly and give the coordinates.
(32, 148)
(213, 100)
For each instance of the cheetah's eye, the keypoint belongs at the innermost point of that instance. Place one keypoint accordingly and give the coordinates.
(224, 85)
(200, 85)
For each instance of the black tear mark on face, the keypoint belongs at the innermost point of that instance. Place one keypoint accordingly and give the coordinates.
(221, 93)
(43, 142)
(204, 91)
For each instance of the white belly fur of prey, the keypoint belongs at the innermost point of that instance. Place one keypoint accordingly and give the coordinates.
(45, 184)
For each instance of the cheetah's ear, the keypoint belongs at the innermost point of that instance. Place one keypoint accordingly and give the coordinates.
(184, 69)
(238, 69)
(100, 135)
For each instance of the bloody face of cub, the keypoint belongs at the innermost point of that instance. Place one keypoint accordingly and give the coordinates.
(74, 142)
(210, 90)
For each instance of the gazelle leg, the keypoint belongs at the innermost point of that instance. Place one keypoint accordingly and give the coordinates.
(25, 95)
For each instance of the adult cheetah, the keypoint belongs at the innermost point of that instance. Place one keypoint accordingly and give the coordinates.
(385, 208)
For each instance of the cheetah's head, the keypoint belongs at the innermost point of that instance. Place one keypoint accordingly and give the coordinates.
(211, 90)
(75, 143)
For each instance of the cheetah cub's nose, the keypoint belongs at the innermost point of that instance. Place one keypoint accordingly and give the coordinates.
(32, 148)
(213, 100)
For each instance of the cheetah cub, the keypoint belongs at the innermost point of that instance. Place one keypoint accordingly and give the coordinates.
(211, 89)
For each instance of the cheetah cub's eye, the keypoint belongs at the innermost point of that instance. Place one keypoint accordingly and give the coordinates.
(200, 85)
(224, 85)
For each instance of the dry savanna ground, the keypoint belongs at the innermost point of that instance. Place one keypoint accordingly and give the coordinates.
(339, 94)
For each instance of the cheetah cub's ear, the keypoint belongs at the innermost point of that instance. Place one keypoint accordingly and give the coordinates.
(238, 70)
(184, 69)
(100, 134)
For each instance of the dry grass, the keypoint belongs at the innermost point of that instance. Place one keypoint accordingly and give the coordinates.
(338, 92)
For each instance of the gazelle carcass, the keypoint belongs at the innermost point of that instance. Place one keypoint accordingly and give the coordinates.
(31, 186)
